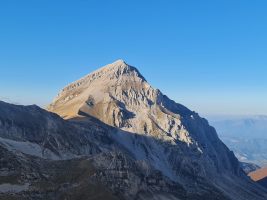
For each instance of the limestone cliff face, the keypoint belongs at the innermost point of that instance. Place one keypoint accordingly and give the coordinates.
(119, 95)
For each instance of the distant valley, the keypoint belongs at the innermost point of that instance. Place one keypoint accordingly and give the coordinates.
(245, 135)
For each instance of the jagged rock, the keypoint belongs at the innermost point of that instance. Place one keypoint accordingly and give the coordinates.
(249, 167)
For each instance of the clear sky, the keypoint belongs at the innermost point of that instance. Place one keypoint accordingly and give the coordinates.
(210, 55)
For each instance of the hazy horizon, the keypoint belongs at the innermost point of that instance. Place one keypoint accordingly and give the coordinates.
(209, 56)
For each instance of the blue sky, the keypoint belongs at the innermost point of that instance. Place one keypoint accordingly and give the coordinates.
(208, 55)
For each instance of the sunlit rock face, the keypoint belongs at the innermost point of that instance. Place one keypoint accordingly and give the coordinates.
(118, 95)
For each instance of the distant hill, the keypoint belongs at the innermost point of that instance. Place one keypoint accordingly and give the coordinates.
(246, 136)
(260, 176)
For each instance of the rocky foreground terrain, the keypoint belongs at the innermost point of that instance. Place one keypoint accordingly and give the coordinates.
(116, 137)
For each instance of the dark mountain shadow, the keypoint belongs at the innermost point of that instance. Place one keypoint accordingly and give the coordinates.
(263, 182)
(190, 174)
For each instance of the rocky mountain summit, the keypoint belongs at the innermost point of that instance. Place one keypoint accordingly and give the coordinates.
(120, 136)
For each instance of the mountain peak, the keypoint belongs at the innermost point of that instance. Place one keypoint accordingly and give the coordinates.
(172, 139)
(121, 61)
(100, 83)
(155, 146)
(119, 67)
(115, 65)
